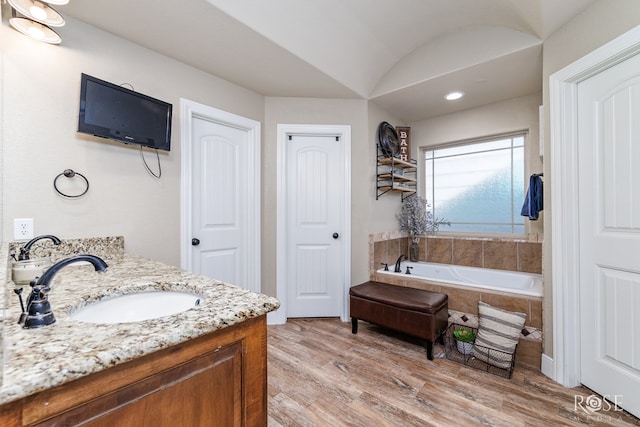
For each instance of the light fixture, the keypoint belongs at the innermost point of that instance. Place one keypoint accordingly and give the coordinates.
(56, 2)
(452, 96)
(35, 30)
(38, 17)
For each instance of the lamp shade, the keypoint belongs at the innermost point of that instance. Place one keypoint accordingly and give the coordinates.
(38, 11)
(56, 2)
(35, 30)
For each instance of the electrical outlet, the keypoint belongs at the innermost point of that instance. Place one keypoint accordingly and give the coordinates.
(22, 228)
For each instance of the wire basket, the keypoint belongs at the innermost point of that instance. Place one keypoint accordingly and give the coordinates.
(476, 356)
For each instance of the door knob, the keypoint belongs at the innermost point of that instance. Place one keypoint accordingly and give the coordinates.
(195, 242)
(336, 235)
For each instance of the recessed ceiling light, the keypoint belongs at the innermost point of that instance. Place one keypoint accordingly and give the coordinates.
(452, 96)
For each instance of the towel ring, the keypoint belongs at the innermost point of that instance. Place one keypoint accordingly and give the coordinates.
(70, 173)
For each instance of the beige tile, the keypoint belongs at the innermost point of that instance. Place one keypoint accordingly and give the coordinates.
(395, 280)
(403, 247)
(462, 300)
(379, 255)
(440, 250)
(393, 250)
(422, 254)
(500, 255)
(421, 284)
(530, 257)
(536, 314)
(529, 353)
(467, 252)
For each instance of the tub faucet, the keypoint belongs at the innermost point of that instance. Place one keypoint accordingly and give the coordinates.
(24, 251)
(398, 261)
(39, 311)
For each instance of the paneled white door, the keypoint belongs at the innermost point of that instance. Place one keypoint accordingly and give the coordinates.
(221, 211)
(609, 231)
(315, 251)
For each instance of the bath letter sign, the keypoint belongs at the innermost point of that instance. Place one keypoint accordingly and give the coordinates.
(404, 134)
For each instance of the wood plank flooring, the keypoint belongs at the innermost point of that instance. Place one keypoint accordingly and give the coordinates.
(320, 374)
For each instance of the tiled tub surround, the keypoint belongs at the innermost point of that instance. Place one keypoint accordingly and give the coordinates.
(512, 255)
(463, 302)
(37, 359)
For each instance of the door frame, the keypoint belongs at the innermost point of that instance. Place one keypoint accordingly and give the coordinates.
(189, 110)
(284, 130)
(564, 367)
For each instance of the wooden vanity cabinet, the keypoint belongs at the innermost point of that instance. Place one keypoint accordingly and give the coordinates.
(216, 380)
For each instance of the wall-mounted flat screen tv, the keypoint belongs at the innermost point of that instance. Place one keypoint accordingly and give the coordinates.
(115, 112)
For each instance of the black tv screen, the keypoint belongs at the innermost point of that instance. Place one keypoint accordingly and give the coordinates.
(115, 112)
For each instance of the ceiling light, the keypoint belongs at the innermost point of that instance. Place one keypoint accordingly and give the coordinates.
(38, 11)
(452, 96)
(35, 30)
(36, 19)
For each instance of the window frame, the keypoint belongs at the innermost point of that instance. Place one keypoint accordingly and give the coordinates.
(470, 141)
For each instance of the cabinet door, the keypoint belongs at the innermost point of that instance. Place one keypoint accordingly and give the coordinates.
(205, 391)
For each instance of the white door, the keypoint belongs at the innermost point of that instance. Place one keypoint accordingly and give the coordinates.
(609, 232)
(221, 195)
(218, 206)
(315, 225)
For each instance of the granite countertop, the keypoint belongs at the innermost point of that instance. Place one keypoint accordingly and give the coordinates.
(41, 358)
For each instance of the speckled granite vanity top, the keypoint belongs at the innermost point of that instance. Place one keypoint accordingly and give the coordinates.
(37, 359)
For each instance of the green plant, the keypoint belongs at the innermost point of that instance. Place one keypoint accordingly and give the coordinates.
(416, 219)
(464, 335)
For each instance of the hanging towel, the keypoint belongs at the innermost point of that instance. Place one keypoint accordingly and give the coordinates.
(533, 200)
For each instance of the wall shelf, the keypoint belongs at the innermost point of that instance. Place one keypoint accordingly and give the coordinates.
(393, 174)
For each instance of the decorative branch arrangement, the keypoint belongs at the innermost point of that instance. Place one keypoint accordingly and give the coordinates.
(417, 219)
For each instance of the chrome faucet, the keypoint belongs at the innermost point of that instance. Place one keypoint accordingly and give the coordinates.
(398, 261)
(24, 251)
(38, 307)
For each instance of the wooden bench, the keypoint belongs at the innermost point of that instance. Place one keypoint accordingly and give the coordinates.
(415, 312)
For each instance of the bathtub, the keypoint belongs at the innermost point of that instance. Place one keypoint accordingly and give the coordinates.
(528, 284)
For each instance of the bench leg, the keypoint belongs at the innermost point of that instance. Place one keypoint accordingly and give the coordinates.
(429, 350)
(354, 325)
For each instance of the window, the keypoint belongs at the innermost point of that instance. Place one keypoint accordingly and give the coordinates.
(477, 186)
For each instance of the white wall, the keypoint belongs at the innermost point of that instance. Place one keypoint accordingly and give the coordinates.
(41, 85)
(382, 212)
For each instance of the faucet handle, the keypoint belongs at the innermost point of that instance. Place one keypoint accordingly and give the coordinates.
(38, 308)
(386, 266)
(24, 254)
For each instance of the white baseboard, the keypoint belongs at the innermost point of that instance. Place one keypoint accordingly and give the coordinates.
(548, 367)
(276, 317)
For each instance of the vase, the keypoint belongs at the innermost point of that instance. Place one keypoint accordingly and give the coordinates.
(414, 250)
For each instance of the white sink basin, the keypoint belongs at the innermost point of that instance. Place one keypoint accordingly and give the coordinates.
(136, 307)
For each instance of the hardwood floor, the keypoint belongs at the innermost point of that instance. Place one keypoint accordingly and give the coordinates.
(320, 374)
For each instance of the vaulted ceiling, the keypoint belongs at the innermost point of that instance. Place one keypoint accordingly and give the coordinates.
(404, 55)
